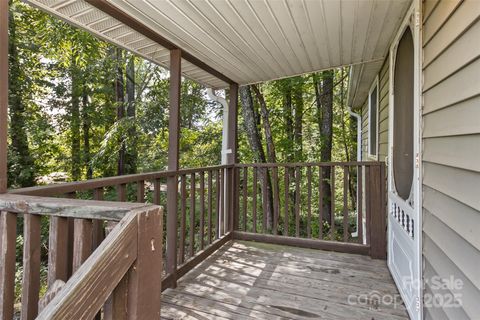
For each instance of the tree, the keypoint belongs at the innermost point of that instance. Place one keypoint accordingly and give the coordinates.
(250, 124)
(21, 164)
(288, 119)
(324, 102)
(271, 156)
(131, 152)
(86, 124)
(120, 102)
(298, 90)
(347, 136)
(74, 112)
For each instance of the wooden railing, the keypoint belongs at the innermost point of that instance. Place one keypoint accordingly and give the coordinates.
(85, 274)
(276, 203)
(334, 206)
(203, 221)
(152, 183)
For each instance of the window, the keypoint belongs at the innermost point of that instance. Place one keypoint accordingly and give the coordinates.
(373, 120)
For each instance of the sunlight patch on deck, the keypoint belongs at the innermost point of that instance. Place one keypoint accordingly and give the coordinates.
(247, 280)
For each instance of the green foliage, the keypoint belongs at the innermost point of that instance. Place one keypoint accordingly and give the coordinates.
(57, 64)
(62, 95)
(344, 127)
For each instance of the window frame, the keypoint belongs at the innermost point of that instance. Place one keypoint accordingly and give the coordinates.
(374, 85)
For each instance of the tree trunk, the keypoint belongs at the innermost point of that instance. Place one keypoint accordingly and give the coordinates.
(87, 157)
(253, 134)
(120, 100)
(132, 155)
(298, 102)
(21, 164)
(324, 99)
(76, 91)
(290, 152)
(271, 156)
(346, 138)
(288, 118)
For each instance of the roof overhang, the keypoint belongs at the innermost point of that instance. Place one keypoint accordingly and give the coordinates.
(241, 41)
(361, 78)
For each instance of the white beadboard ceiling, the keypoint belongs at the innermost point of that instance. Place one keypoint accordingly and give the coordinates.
(248, 41)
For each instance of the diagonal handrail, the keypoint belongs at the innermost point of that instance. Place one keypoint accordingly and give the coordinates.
(127, 263)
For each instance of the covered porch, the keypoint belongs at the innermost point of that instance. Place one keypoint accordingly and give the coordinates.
(212, 242)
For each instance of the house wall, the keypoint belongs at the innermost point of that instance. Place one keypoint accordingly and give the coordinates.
(383, 80)
(451, 153)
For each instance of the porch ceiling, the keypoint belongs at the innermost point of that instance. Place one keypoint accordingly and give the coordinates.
(248, 41)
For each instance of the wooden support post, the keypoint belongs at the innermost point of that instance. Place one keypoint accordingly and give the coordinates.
(231, 197)
(145, 276)
(3, 93)
(8, 235)
(377, 212)
(173, 162)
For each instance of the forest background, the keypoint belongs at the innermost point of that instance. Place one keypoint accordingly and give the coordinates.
(81, 108)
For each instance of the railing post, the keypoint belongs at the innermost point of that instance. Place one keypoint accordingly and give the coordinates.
(145, 276)
(173, 162)
(377, 212)
(236, 198)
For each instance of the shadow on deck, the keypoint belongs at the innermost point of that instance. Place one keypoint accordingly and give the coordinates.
(245, 280)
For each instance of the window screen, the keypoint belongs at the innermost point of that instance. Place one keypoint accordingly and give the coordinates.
(403, 158)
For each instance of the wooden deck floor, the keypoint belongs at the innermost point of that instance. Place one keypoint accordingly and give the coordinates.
(246, 280)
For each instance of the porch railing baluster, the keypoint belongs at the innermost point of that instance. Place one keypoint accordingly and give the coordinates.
(227, 200)
(245, 191)
(345, 203)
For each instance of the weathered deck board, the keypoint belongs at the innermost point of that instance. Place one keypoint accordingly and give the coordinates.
(246, 280)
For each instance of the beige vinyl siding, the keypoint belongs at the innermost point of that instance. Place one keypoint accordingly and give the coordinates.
(451, 151)
(383, 86)
(383, 83)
